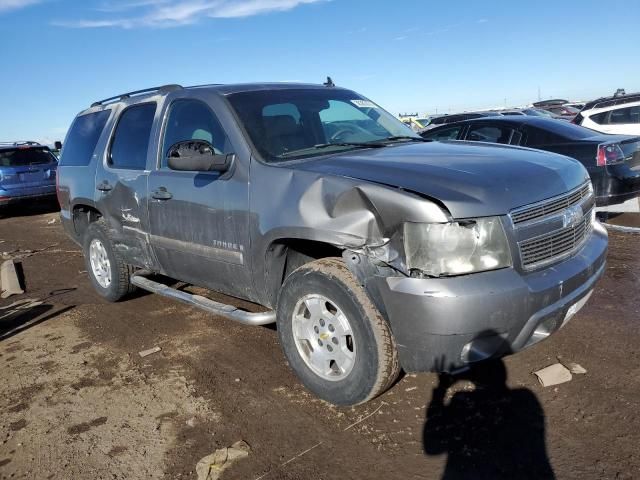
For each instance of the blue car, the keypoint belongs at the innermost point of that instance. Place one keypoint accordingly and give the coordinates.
(27, 171)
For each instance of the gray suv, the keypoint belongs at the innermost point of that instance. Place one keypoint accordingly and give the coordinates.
(372, 249)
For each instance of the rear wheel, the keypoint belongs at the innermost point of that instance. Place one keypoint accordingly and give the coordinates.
(333, 336)
(109, 275)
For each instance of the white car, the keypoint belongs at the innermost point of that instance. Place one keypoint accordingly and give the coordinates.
(617, 114)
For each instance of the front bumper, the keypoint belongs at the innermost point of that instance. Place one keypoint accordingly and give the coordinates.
(447, 323)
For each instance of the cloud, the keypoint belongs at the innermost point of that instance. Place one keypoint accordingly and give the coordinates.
(6, 5)
(167, 13)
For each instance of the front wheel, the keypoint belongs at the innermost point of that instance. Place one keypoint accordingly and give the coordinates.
(333, 336)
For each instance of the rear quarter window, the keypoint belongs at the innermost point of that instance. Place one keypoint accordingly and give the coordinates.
(83, 138)
(599, 118)
(130, 141)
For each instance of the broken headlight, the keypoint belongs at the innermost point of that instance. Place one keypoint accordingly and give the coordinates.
(466, 246)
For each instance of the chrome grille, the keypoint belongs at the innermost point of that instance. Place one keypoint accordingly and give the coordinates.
(556, 245)
(552, 206)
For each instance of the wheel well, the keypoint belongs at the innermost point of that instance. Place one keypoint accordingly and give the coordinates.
(286, 255)
(83, 216)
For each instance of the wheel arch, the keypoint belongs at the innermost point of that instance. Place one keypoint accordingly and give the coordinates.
(83, 215)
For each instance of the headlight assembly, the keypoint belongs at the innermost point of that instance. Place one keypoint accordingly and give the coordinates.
(468, 246)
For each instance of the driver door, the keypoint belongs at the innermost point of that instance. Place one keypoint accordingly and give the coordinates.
(197, 229)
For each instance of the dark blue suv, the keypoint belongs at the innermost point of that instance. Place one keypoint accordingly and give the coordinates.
(27, 171)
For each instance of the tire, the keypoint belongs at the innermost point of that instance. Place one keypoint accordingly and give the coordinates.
(314, 302)
(118, 284)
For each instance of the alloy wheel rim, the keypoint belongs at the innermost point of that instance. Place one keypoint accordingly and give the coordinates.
(324, 337)
(100, 265)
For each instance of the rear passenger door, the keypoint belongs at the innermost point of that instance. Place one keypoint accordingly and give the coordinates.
(121, 183)
(199, 220)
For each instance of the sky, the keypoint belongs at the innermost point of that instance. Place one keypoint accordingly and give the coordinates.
(426, 56)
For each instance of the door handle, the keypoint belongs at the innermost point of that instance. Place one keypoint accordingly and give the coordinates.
(161, 194)
(104, 186)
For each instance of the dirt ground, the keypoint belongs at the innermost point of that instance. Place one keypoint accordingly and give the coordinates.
(78, 402)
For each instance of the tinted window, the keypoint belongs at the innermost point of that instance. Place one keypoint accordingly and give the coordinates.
(538, 136)
(83, 137)
(28, 156)
(599, 118)
(491, 134)
(193, 120)
(556, 131)
(444, 134)
(625, 115)
(131, 138)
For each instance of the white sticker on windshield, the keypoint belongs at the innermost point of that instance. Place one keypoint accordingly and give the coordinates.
(364, 104)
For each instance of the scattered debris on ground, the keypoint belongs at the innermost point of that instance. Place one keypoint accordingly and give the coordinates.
(553, 375)
(212, 466)
(9, 282)
(574, 368)
(19, 307)
(19, 253)
(151, 351)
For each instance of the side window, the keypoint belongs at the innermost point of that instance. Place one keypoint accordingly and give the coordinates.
(600, 118)
(537, 137)
(444, 134)
(83, 138)
(491, 134)
(131, 139)
(625, 115)
(193, 120)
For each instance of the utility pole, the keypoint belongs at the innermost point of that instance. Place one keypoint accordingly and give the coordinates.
(539, 97)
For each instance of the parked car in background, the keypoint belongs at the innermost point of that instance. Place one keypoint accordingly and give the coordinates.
(540, 112)
(371, 248)
(27, 172)
(613, 161)
(576, 105)
(457, 117)
(558, 107)
(615, 114)
(563, 111)
(508, 113)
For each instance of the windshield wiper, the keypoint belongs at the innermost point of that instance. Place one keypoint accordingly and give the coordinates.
(350, 144)
(339, 144)
(403, 137)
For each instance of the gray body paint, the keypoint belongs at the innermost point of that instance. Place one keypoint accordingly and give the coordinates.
(236, 232)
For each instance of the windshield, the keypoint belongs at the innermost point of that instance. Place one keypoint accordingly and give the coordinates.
(21, 157)
(299, 123)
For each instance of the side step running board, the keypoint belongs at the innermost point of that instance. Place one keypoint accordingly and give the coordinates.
(211, 306)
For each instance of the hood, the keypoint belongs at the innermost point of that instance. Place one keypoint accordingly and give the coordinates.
(470, 179)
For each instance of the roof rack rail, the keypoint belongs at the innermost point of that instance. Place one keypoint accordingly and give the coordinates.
(124, 96)
(20, 142)
(612, 101)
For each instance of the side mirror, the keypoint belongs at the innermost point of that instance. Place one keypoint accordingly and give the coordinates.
(58, 145)
(197, 156)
